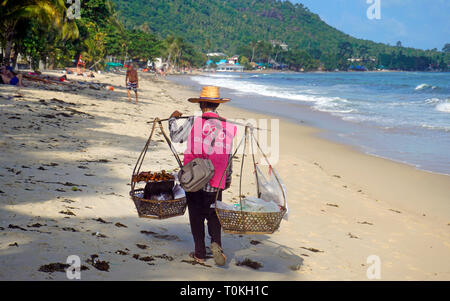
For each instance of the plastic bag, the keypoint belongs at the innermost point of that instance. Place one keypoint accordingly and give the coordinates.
(162, 197)
(250, 204)
(270, 190)
(178, 192)
(254, 204)
(223, 206)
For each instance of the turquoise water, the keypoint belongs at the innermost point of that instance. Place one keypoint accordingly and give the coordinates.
(404, 116)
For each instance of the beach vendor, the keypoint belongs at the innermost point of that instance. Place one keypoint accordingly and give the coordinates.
(132, 81)
(9, 78)
(207, 136)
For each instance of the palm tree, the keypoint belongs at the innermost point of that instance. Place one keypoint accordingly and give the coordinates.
(46, 12)
(254, 45)
(174, 47)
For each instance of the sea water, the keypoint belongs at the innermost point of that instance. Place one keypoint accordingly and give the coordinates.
(403, 116)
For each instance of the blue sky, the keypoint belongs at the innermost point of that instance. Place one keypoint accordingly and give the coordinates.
(421, 24)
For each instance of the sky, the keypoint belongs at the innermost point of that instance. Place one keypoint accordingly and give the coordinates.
(423, 24)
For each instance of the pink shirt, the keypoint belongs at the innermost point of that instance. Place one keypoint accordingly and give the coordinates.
(199, 144)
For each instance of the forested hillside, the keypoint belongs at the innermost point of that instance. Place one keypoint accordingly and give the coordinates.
(181, 32)
(233, 25)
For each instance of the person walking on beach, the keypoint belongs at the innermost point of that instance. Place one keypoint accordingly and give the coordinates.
(208, 136)
(132, 82)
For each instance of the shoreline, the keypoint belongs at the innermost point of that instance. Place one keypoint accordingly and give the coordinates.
(336, 128)
(343, 205)
(314, 133)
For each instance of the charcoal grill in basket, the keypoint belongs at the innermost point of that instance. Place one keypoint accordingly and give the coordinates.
(149, 208)
(245, 222)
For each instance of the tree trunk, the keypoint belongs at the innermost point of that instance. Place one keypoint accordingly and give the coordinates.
(7, 58)
(16, 54)
(9, 35)
(51, 64)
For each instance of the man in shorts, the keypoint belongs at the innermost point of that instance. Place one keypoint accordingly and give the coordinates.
(132, 82)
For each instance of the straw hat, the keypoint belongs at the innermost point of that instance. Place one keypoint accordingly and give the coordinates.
(209, 94)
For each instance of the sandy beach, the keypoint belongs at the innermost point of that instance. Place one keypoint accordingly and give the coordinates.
(68, 154)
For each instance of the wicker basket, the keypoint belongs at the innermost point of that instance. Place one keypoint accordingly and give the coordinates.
(157, 209)
(246, 222)
(153, 208)
(243, 222)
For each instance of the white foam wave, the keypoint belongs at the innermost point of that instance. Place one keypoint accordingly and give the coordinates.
(333, 105)
(426, 87)
(434, 127)
(422, 87)
(432, 100)
(224, 75)
(443, 107)
(263, 90)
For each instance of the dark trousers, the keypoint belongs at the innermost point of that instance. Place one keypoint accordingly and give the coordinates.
(199, 205)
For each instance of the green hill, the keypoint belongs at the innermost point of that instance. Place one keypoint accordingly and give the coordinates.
(227, 25)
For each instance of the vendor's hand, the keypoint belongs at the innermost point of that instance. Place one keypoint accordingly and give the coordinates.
(176, 114)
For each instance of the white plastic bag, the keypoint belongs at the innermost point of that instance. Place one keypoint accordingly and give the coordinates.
(178, 192)
(223, 206)
(254, 204)
(249, 204)
(270, 189)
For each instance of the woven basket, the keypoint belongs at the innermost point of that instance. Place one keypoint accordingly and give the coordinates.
(243, 222)
(157, 209)
(246, 222)
(152, 208)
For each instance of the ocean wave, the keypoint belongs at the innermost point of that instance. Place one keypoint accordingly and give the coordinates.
(337, 111)
(443, 107)
(432, 100)
(398, 111)
(224, 75)
(358, 118)
(243, 86)
(423, 87)
(335, 106)
(435, 127)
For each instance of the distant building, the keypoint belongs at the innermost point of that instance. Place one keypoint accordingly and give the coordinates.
(212, 54)
(234, 59)
(225, 67)
(358, 59)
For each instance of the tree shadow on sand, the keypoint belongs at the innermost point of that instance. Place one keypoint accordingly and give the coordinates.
(50, 204)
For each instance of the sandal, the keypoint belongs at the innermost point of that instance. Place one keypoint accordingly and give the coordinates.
(218, 255)
(199, 260)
